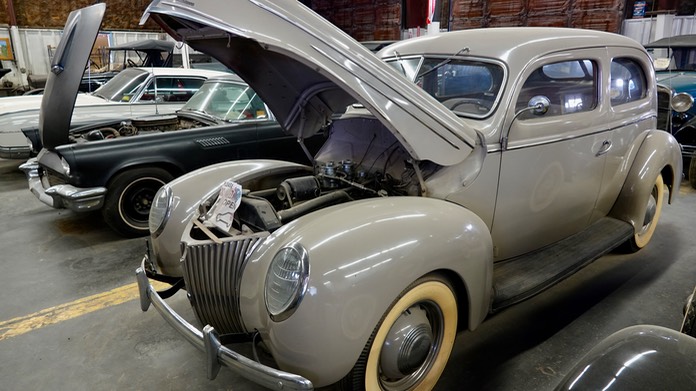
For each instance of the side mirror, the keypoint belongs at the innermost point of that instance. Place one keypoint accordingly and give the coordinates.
(539, 105)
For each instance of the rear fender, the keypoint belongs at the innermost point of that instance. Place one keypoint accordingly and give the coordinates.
(658, 154)
(362, 255)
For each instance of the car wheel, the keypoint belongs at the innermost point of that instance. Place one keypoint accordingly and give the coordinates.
(689, 323)
(652, 214)
(129, 197)
(409, 348)
(692, 172)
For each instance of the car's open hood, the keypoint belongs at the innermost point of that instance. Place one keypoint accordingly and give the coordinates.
(306, 69)
(67, 67)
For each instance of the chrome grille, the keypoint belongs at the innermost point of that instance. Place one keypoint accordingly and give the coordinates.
(664, 111)
(54, 178)
(212, 272)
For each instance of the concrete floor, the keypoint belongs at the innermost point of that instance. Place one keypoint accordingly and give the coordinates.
(50, 257)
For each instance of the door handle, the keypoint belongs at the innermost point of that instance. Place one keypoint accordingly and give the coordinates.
(606, 146)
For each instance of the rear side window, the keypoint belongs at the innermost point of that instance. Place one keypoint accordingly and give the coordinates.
(570, 87)
(172, 89)
(627, 81)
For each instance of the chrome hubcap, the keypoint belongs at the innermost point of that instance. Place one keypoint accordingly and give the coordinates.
(650, 211)
(411, 346)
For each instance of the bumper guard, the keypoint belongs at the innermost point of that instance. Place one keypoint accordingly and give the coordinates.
(62, 196)
(208, 341)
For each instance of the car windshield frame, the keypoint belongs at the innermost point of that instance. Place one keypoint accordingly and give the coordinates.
(124, 86)
(227, 101)
(474, 95)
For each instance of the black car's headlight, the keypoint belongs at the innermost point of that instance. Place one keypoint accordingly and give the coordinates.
(160, 210)
(286, 281)
(66, 167)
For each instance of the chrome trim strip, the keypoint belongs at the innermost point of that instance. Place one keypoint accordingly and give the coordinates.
(560, 139)
(208, 342)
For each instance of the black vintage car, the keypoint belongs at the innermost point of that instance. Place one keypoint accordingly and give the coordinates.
(102, 166)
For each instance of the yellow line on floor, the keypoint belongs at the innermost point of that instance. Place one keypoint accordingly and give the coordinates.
(24, 324)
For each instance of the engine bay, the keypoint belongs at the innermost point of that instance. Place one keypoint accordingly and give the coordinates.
(360, 159)
(134, 127)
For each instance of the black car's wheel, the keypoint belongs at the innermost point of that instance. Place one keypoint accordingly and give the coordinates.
(412, 343)
(653, 209)
(129, 198)
(692, 172)
(689, 323)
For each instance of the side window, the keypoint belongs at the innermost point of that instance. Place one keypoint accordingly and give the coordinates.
(570, 86)
(172, 89)
(627, 81)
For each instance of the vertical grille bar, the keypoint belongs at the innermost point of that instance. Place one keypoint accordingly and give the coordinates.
(212, 272)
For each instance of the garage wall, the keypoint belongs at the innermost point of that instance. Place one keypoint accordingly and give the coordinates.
(603, 15)
(120, 14)
(364, 20)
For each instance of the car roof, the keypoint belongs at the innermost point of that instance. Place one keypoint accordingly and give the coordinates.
(679, 41)
(513, 45)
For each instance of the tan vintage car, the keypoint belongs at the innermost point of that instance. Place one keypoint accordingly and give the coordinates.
(471, 171)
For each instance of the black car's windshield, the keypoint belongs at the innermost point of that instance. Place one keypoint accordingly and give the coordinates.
(469, 88)
(123, 86)
(227, 101)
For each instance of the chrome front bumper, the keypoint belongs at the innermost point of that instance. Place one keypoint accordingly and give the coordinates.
(208, 341)
(15, 152)
(62, 196)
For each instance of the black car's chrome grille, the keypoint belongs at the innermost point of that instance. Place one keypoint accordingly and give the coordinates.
(212, 272)
(54, 179)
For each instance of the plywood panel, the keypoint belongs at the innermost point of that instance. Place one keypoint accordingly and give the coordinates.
(120, 14)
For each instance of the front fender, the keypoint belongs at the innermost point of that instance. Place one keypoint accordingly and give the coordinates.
(658, 154)
(189, 190)
(362, 255)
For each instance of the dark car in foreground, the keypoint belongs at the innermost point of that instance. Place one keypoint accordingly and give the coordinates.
(118, 165)
(643, 357)
(675, 68)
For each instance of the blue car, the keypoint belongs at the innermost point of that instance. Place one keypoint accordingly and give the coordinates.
(675, 67)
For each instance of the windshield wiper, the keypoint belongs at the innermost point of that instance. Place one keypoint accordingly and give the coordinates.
(443, 62)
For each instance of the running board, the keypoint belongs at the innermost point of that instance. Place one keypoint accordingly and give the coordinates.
(522, 277)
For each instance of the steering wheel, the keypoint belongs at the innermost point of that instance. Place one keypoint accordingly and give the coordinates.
(131, 63)
(452, 104)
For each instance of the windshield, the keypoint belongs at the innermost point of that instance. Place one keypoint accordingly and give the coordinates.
(123, 86)
(468, 88)
(227, 101)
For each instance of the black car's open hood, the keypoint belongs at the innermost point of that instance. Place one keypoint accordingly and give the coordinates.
(67, 68)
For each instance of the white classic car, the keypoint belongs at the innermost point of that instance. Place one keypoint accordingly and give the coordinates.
(129, 94)
(471, 171)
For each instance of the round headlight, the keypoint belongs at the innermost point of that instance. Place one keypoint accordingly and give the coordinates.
(65, 165)
(682, 102)
(286, 281)
(159, 210)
